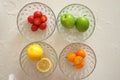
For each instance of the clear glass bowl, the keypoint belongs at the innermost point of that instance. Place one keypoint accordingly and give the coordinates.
(25, 28)
(73, 35)
(29, 66)
(68, 69)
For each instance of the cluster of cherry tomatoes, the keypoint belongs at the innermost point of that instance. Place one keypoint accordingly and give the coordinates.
(38, 21)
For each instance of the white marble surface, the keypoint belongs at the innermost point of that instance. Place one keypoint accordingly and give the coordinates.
(105, 40)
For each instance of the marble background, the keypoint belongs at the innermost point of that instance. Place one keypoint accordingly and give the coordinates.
(105, 40)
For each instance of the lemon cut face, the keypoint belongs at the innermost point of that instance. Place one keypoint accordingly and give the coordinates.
(44, 65)
(35, 51)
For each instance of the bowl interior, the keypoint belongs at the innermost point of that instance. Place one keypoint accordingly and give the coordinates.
(67, 67)
(29, 66)
(73, 35)
(25, 28)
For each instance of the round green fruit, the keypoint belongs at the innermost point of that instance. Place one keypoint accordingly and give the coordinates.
(82, 24)
(67, 20)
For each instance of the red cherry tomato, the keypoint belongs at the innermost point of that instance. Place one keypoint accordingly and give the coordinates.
(30, 19)
(37, 14)
(43, 18)
(37, 21)
(34, 28)
(43, 26)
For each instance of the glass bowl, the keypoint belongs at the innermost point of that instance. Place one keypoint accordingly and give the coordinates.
(29, 66)
(73, 35)
(69, 70)
(25, 28)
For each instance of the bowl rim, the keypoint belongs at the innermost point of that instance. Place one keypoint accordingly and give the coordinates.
(20, 63)
(79, 44)
(93, 18)
(26, 6)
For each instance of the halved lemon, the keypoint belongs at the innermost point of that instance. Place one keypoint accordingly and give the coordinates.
(44, 65)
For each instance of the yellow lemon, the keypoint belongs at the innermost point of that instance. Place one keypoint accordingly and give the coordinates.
(44, 65)
(35, 51)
